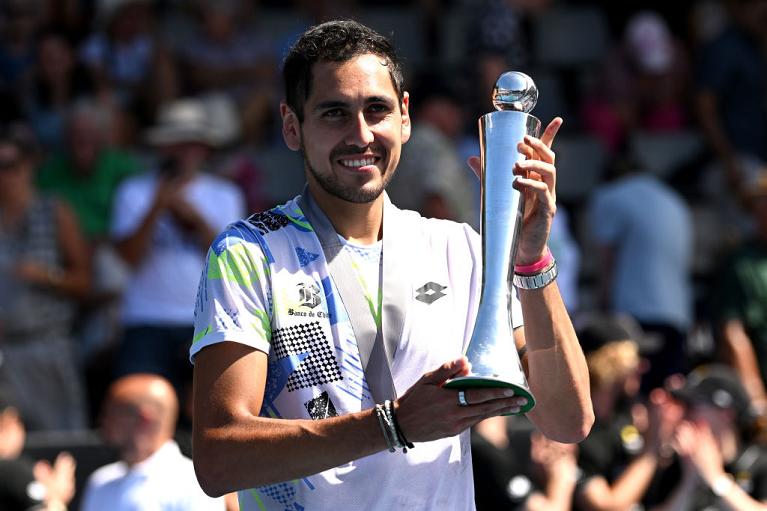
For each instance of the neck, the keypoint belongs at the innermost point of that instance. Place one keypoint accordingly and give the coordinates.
(140, 453)
(358, 223)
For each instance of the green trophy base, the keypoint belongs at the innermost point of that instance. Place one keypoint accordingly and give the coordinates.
(478, 382)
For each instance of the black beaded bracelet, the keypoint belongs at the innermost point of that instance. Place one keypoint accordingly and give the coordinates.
(400, 434)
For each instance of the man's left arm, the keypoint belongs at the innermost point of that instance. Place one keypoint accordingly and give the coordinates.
(556, 368)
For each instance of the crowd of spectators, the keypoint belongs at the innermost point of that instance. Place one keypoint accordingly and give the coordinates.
(133, 131)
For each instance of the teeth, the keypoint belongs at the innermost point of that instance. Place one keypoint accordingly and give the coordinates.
(358, 163)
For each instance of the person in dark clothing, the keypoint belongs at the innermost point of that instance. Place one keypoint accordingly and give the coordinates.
(722, 466)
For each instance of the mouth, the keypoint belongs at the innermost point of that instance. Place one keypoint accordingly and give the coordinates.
(360, 163)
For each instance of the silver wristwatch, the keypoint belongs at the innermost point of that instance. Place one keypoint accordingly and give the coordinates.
(538, 280)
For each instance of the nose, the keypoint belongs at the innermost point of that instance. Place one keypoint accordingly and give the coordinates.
(360, 133)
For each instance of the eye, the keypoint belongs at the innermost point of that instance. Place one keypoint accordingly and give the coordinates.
(379, 108)
(333, 113)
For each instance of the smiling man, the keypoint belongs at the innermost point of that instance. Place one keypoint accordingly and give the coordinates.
(326, 327)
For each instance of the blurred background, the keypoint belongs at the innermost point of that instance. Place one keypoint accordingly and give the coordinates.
(662, 174)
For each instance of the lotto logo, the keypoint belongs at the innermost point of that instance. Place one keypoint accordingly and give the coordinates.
(430, 292)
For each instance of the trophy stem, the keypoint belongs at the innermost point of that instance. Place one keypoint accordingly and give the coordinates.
(491, 350)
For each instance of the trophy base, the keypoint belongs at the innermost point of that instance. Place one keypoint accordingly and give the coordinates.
(476, 382)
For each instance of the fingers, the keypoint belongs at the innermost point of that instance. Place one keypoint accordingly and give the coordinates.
(535, 149)
(550, 133)
(531, 169)
(448, 370)
(483, 401)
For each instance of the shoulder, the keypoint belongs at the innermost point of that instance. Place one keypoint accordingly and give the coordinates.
(285, 219)
(219, 184)
(241, 232)
(436, 227)
(106, 474)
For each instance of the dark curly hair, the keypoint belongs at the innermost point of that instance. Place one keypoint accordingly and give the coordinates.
(333, 41)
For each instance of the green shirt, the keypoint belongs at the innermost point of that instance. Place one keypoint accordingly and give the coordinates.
(743, 295)
(89, 195)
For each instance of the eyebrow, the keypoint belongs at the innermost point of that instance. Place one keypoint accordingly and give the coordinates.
(330, 104)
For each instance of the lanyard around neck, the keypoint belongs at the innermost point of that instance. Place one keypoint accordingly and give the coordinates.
(376, 346)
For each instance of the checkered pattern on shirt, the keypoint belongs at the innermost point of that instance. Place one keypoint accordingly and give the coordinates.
(319, 367)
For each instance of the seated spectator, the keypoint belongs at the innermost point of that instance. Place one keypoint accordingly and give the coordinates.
(222, 55)
(139, 420)
(629, 443)
(24, 483)
(164, 220)
(57, 80)
(517, 468)
(20, 21)
(643, 85)
(87, 171)
(722, 467)
(741, 300)
(432, 178)
(129, 65)
(731, 91)
(44, 268)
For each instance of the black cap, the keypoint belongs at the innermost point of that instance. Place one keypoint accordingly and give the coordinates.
(598, 329)
(717, 385)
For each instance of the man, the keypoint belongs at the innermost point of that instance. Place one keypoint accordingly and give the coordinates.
(731, 98)
(139, 419)
(163, 222)
(87, 173)
(723, 465)
(625, 456)
(643, 232)
(302, 320)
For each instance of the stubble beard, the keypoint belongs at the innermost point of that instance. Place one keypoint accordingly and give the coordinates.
(356, 195)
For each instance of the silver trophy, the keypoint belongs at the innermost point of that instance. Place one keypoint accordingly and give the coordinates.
(491, 351)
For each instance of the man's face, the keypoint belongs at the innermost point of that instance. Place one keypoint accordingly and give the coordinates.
(353, 129)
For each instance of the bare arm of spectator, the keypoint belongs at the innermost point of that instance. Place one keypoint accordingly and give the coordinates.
(558, 464)
(738, 352)
(133, 247)
(702, 462)
(73, 278)
(190, 219)
(629, 488)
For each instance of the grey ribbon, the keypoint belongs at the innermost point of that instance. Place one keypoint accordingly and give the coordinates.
(376, 347)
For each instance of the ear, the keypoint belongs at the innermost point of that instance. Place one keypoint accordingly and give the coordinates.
(291, 127)
(405, 109)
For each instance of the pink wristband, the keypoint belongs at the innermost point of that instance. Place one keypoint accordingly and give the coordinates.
(536, 267)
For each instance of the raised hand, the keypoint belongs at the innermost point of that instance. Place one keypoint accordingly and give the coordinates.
(537, 181)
